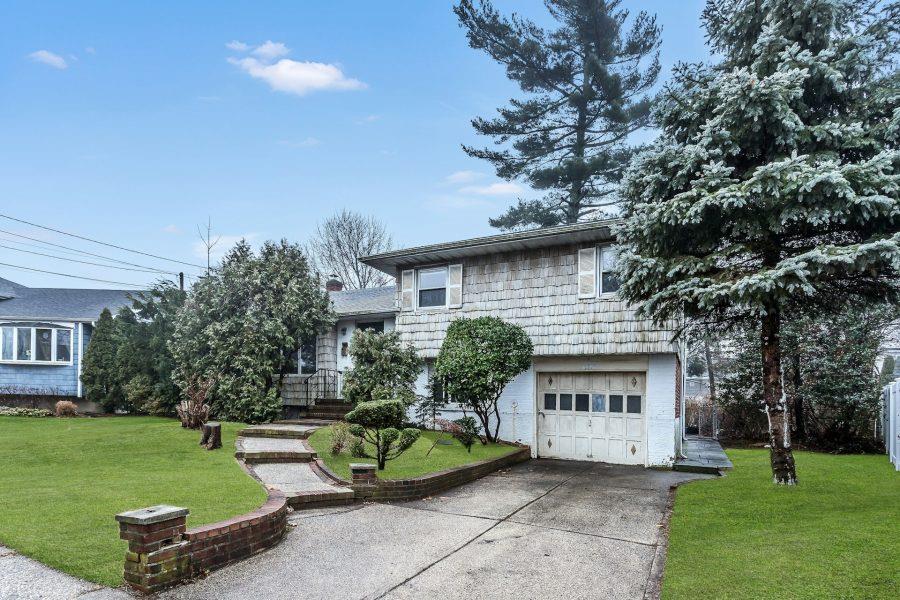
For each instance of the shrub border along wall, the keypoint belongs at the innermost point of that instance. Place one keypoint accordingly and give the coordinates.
(368, 486)
(162, 552)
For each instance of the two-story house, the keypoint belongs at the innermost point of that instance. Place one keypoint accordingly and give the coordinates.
(604, 384)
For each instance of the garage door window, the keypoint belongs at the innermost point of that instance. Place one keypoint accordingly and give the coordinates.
(615, 403)
(549, 401)
(582, 402)
(634, 405)
(599, 403)
(565, 402)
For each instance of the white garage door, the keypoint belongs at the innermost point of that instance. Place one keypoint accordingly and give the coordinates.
(592, 416)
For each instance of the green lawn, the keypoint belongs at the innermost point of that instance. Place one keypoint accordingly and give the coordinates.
(63, 480)
(835, 535)
(413, 462)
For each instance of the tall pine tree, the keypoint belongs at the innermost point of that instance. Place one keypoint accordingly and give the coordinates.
(99, 369)
(775, 181)
(586, 84)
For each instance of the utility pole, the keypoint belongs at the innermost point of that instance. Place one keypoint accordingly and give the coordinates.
(181, 281)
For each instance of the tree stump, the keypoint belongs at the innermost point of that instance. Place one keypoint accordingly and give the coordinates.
(212, 435)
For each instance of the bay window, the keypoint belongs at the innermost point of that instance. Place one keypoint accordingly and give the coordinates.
(35, 344)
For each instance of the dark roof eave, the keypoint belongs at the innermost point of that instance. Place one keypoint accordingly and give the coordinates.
(591, 231)
(57, 318)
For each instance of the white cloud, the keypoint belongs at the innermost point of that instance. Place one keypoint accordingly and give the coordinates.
(270, 50)
(173, 229)
(292, 76)
(48, 58)
(500, 188)
(209, 98)
(307, 142)
(90, 50)
(300, 78)
(368, 119)
(463, 177)
(237, 46)
(225, 243)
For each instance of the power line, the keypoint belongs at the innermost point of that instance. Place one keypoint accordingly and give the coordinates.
(87, 239)
(124, 262)
(72, 276)
(84, 262)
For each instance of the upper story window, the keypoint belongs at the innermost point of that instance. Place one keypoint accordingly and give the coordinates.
(24, 344)
(609, 282)
(432, 286)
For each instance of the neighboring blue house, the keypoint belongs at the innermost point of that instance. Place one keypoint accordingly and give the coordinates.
(43, 334)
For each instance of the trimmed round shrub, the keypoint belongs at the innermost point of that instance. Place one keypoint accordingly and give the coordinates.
(66, 408)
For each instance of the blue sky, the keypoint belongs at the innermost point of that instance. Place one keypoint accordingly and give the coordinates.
(133, 122)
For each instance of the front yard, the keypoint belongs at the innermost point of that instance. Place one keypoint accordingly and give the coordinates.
(63, 481)
(836, 535)
(413, 462)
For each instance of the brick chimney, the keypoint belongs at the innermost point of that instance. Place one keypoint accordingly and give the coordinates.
(334, 284)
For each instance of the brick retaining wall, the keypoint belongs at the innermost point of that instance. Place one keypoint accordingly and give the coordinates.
(368, 486)
(162, 552)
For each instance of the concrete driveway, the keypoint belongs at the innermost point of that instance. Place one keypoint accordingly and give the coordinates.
(543, 529)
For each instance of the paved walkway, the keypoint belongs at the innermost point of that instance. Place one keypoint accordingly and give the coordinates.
(542, 529)
(279, 456)
(703, 455)
(22, 578)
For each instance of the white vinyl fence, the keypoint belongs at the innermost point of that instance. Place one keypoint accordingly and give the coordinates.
(891, 429)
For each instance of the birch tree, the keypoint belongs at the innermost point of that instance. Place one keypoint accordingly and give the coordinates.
(775, 179)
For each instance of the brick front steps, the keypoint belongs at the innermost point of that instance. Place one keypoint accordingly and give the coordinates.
(329, 409)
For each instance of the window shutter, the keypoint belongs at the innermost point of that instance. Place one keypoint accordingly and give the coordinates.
(587, 273)
(407, 289)
(454, 286)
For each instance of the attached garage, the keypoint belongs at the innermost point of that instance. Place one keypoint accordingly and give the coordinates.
(599, 416)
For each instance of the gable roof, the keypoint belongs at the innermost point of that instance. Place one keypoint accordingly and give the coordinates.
(371, 301)
(57, 304)
(591, 231)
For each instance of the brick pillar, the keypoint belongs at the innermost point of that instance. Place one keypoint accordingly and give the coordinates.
(154, 559)
(363, 478)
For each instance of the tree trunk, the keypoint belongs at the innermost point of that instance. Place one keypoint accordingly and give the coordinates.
(212, 435)
(799, 413)
(776, 407)
(485, 419)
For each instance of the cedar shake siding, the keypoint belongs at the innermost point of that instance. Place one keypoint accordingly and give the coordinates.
(538, 289)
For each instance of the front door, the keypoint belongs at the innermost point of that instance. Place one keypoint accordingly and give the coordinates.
(592, 416)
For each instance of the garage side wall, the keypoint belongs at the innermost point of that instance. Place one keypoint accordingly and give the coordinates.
(516, 405)
(661, 410)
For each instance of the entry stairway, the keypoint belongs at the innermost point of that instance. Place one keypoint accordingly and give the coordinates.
(278, 455)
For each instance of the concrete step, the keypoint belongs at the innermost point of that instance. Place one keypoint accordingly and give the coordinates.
(693, 466)
(314, 423)
(301, 485)
(293, 430)
(259, 450)
(337, 496)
